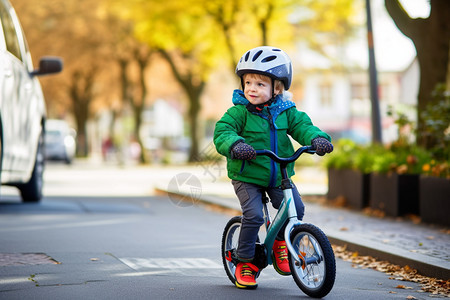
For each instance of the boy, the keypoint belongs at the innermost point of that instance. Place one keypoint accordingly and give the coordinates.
(262, 118)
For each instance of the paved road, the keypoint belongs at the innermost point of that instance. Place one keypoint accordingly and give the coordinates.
(136, 247)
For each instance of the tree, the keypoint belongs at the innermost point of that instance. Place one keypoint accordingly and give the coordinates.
(431, 38)
(194, 37)
(326, 27)
(133, 57)
(225, 14)
(246, 23)
(185, 40)
(49, 26)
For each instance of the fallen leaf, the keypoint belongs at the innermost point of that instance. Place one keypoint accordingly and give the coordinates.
(343, 229)
(411, 297)
(430, 285)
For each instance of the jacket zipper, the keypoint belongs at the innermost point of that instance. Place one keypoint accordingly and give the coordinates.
(274, 148)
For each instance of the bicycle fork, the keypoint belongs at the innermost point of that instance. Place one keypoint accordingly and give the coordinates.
(287, 211)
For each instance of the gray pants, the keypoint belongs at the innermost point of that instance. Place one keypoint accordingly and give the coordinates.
(250, 196)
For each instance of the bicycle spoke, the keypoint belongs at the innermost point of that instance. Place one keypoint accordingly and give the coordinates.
(315, 272)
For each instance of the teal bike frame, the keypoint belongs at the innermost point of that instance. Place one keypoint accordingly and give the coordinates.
(287, 210)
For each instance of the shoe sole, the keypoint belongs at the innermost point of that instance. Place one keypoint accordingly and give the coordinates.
(250, 287)
(275, 266)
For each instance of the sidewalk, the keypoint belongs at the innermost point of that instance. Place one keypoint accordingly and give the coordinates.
(397, 240)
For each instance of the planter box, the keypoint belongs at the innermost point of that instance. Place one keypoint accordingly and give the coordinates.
(435, 200)
(395, 194)
(351, 184)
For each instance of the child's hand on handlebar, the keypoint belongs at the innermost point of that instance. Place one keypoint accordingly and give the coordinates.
(322, 146)
(243, 151)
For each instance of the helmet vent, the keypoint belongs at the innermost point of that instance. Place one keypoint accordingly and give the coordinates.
(247, 56)
(255, 57)
(269, 58)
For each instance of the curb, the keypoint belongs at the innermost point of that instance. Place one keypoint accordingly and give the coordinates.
(425, 265)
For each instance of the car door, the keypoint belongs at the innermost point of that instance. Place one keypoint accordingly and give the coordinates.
(11, 53)
(17, 96)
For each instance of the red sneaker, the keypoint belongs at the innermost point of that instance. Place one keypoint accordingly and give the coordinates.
(246, 275)
(280, 258)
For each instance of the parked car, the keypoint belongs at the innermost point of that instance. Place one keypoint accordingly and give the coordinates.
(59, 141)
(22, 109)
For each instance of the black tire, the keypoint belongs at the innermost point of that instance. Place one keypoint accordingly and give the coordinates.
(32, 190)
(316, 279)
(230, 240)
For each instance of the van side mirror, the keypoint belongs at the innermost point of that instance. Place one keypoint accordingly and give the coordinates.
(48, 65)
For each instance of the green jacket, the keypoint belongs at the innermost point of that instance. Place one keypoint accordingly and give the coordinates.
(269, 129)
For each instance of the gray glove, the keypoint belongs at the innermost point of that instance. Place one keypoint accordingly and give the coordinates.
(243, 151)
(322, 146)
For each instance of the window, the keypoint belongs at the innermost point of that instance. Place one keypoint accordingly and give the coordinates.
(12, 42)
(326, 95)
(360, 91)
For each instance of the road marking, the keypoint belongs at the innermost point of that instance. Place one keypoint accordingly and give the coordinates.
(199, 267)
(170, 263)
(71, 225)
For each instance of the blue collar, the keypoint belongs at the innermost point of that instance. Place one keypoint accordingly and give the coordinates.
(277, 107)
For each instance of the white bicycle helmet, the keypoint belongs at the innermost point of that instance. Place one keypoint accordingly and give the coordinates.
(269, 61)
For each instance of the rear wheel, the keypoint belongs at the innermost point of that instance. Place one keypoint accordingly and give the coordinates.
(32, 190)
(230, 240)
(316, 273)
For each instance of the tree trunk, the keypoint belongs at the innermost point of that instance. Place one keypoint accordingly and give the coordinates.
(139, 107)
(194, 109)
(226, 26)
(81, 95)
(264, 24)
(431, 38)
(193, 88)
(136, 99)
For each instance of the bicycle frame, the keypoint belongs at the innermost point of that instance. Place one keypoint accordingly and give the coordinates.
(287, 210)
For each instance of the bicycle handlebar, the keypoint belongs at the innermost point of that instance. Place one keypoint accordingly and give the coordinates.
(294, 157)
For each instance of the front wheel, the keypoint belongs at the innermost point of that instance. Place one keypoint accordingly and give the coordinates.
(32, 190)
(230, 240)
(316, 272)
